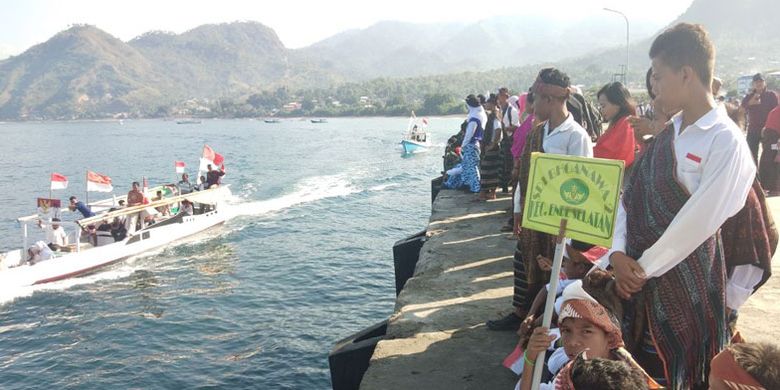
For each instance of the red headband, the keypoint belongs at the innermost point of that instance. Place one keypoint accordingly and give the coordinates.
(542, 88)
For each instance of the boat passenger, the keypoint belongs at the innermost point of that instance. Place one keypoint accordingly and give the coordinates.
(76, 204)
(214, 177)
(39, 252)
(118, 230)
(164, 209)
(185, 187)
(55, 234)
(202, 185)
(186, 207)
(135, 198)
(103, 234)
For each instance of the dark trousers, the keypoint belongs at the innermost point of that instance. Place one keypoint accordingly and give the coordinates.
(753, 140)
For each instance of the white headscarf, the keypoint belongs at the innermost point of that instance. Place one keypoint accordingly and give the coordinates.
(479, 113)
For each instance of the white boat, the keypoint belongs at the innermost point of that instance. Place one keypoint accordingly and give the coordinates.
(416, 139)
(83, 257)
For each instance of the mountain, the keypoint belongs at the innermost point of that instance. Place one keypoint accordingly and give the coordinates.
(84, 72)
(82, 69)
(397, 49)
(745, 35)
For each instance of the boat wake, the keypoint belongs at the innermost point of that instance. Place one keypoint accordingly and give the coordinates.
(123, 271)
(309, 190)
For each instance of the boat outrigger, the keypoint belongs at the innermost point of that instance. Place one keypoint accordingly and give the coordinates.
(183, 216)
(416, 139)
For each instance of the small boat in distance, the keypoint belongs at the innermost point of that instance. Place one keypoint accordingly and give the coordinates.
(188, 122)
(273, 120)
(416, 139)
(321, 120)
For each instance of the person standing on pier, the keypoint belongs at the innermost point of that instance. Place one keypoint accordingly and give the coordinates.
(469, 176)
(558, 133)
(667, 254)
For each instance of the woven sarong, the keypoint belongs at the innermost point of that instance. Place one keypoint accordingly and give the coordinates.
(684, 309)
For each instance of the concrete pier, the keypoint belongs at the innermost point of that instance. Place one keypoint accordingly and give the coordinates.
(436, 338)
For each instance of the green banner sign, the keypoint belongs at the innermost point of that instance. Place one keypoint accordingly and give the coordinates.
(584, 191)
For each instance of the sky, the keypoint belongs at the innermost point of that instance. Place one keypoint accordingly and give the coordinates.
(298, 23)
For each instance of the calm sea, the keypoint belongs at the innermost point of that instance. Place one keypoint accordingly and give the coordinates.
(256, 303)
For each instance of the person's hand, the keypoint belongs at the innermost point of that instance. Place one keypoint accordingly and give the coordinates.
(525, 326)
(629, 275)
(517, 221)
(544, 263)
(539, 342)
(642, 127)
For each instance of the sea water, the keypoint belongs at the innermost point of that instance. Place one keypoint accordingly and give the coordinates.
(259, 302)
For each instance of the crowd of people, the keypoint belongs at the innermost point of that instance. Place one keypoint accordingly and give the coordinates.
(693, 239)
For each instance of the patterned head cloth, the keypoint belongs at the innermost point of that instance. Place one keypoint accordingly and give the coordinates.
(579, 304)
(726, 368)
(542, 88)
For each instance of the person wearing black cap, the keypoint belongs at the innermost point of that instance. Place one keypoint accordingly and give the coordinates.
(469, 174)
(758, 103)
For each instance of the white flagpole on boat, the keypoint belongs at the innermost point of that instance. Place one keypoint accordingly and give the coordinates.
(549, 305)
(87, 182)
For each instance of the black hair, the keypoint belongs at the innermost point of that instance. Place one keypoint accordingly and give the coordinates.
(618, 95)
(55, 219)
(554, 76)
(72, 198)
(472, 101)
(493, 99)
(481, 98)
(605, 374)
(135, 183)
(686, 44)
(649, 83)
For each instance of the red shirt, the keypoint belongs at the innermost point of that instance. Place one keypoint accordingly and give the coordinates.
(617, 143)
(773, 120)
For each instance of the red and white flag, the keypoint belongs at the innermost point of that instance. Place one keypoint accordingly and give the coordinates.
(179, 166)
(58, 182)
(98, 183)
(210, 157)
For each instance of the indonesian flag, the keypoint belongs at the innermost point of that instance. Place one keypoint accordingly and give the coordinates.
(58, 182)
(98, 183)
(210, 157)
(179, 166)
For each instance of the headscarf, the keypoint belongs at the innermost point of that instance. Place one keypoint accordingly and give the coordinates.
(479, 113)
(542, 88)
(579, 304)
(726, 368)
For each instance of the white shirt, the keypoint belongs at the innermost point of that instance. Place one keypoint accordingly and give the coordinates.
(569, 139)
(55, 236)
(511, 117)
(716, 167)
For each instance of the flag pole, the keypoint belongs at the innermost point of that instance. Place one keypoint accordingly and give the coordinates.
(49, 186)
(87, 183)
(550, 303)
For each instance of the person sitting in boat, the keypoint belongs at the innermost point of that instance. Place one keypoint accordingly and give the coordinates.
(38, 252)
(164, 209)
(186, 208)
(202, 185)
(76, 204)
(214, 177)
(103, 234)
(118, 230)
(185, 187)
(55, 234)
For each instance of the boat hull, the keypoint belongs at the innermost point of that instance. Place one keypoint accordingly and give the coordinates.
(79, 263)
(414, 147)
